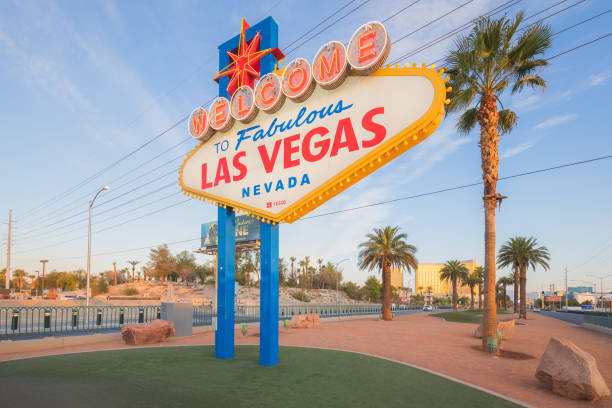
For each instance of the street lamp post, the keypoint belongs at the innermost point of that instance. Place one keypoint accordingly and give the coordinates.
(337, 273)
(43, 262)
(601, 278)
(89, 240)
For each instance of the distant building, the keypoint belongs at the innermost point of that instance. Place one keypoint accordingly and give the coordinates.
(428, 276)
(580, 289)
(397, 278)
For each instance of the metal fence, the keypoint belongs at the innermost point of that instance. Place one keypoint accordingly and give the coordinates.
(34, 322)
(598, 320)
(31, 322)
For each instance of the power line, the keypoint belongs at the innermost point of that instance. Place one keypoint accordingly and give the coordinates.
(444, 190)
(582, 22)
(581, 45)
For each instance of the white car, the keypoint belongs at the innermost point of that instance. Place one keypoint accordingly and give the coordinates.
(428, 308)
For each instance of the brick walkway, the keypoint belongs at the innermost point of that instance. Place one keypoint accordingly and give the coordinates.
(431, 343)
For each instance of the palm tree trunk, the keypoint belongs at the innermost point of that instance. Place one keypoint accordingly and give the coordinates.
(516, 290)
(472, 298)
(454, 294)
(505, 302)
(488, 120)
(386, 298)
(480, 295)
(523, 313)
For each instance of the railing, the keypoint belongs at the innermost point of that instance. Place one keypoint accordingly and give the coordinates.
(24, 322)
(598, 320)
(34, 322)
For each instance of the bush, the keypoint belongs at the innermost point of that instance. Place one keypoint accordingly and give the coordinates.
(301, 296)
(352, 291)
(102, 285)
(130, 291)
(245, 329)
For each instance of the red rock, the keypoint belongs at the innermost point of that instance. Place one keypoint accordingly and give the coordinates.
(505, 327)
(156, 331)
(305, 321)
(571, 372)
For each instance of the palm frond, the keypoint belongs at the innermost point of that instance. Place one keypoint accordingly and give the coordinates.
(467, 121)
(507, 121)
(534, 81)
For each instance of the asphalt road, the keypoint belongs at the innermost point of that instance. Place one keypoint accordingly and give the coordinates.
(573, 318)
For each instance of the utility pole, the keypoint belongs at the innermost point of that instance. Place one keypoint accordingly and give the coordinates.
(43, 262)
(7, 276)
(601, 278)
(566, 294)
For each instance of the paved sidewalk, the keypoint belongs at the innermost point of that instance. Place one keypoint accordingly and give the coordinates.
(434, 344)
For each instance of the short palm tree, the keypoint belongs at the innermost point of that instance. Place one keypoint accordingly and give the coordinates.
(523, 252)
(504, 281)
(472, 280)
(385, 248)
(454, 271)
(491, 59)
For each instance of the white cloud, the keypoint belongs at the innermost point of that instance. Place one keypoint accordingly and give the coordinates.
(513, 151)
(556, 120)
(44, 72)
(598, 79)
(523, 103)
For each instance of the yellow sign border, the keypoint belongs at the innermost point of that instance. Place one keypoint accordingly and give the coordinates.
(372, 161)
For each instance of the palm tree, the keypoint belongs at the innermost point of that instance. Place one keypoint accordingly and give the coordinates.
(19, 274)
(385, 248)
(292, 259)
(522, 253)
(307, 270)
(133, 263)
(420, 289)
(493, 57)
(453, 271)
(504, 281)
(515, 281)
(472, 280)
(320, 262)
(479, 272)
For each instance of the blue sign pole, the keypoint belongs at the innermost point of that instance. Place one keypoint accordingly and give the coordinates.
(224, 336)
(226, 265)
(268, 326)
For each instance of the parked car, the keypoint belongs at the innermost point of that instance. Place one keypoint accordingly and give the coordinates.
(428, 308)
(535, 309)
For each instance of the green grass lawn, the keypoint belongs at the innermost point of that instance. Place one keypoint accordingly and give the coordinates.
(192, 377)
(466, 316)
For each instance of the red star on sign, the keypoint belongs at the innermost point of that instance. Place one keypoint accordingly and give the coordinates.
(244, 68)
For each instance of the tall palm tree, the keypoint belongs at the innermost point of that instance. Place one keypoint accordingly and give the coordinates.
(479, 272)
(307, 270)
(523, 252)
(504, 281)
(472, 280)
(454, 271)
(492, 58)
(420, 289)
(133, 263)
(515, 280)
(385, 248)
(292, 259)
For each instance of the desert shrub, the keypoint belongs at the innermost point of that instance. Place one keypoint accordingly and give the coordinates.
(353, 291)
(301, 296)
(286, 324)
(130, 291)
(245, 329)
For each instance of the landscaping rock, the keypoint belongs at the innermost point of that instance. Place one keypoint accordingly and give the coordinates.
(156, 331)
(305, 321)
(571, 372)
(506, 328)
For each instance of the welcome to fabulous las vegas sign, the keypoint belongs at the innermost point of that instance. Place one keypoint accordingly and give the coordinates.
(307, 132)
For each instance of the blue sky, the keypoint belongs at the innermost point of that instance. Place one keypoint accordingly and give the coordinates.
(84, 83)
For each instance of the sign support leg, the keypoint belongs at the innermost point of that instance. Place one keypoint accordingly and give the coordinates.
(226, 250)
(268, 336)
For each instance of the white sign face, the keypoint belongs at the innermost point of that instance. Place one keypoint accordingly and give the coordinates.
(282, 165)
